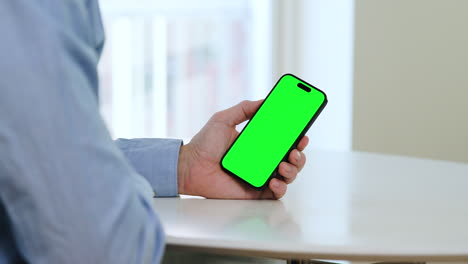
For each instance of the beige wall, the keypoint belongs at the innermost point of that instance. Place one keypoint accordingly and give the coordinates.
(411, 78)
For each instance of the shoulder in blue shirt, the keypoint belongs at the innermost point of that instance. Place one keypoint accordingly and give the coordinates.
(68, 194)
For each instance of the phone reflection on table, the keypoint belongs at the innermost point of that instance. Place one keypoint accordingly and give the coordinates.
(259, 220)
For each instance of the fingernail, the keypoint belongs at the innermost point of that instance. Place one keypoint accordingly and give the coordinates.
(298, 155)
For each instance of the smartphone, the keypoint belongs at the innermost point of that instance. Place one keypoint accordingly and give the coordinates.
(274, 130)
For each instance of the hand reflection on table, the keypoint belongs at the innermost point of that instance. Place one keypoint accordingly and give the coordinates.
(260, 219)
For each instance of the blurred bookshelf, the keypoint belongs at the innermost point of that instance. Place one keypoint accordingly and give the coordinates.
(167, 66)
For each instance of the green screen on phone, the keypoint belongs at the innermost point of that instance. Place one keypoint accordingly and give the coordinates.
(284, 116)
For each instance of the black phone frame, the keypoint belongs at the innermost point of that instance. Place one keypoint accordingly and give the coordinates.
(275, 173)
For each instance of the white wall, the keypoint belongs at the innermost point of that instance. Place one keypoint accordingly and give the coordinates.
(411, 78)
(314, 39)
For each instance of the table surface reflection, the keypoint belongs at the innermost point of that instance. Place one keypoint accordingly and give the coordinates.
(344, 205)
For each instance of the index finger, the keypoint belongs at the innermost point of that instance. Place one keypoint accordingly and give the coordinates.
(303, 143)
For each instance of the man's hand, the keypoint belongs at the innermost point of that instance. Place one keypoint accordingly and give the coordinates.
(199, 171)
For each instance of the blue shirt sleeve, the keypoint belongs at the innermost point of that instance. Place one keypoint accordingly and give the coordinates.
(155, 159)
(67, 193)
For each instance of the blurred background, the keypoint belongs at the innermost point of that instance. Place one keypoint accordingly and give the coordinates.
(395, 71)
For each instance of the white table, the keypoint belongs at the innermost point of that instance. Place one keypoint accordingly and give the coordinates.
(344, 205)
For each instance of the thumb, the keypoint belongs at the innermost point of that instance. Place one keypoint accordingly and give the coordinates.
(239, 113)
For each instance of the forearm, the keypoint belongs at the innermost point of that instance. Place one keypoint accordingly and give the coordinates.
(155, 159)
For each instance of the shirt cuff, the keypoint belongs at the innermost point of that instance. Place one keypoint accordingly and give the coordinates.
(155, 159)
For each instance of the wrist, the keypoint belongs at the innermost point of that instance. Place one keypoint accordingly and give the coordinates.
(183, 169)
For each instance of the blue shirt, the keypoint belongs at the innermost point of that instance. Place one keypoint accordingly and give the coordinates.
(68, 193)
